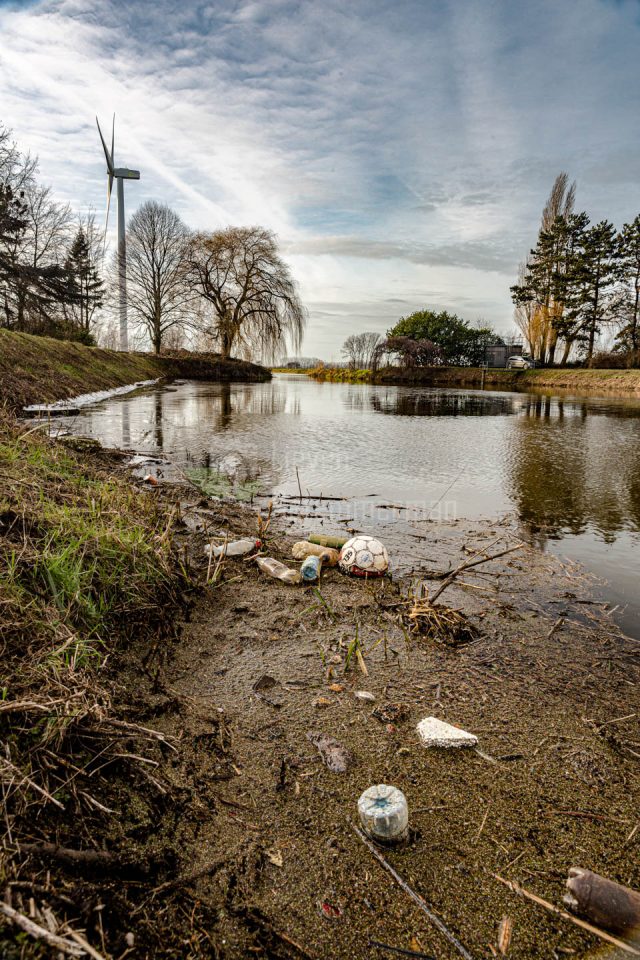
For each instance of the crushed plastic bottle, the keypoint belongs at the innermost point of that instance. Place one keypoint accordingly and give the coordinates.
(238, 548)
(277, 570)
(303, 549)
(384, 813)
(310, 569)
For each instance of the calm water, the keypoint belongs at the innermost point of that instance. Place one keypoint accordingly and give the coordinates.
(568, 468)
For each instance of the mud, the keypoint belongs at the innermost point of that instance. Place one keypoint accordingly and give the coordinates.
(548, 685)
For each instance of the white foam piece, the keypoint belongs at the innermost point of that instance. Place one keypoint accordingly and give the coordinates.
(87, 398)
(437, 733)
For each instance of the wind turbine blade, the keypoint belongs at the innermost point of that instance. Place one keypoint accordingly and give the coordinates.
(106, 219)
(113, 138)
(106, 152)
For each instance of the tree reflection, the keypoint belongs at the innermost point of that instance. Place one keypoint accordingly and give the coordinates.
(569, 469)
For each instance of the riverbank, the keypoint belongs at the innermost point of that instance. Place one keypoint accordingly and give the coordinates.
(43, 370)
(594, 382)
(199, 819)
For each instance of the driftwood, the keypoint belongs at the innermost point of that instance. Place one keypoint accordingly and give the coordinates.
(627, 947)
(606, 903)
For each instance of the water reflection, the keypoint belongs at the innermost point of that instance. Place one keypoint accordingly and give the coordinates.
(424, 404)
(572, 466)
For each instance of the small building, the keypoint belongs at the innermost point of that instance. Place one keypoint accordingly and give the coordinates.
(497, 354)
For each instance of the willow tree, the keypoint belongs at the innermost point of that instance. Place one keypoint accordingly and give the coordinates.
(255, 304)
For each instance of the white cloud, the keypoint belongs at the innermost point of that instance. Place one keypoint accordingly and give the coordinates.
(402, 152)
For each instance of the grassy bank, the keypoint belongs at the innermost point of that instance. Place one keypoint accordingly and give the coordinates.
(591, 381)
(42, 370)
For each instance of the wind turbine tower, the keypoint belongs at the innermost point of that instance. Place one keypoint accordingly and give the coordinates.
(120, 174)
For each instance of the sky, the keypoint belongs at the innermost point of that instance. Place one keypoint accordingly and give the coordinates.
(402, 151)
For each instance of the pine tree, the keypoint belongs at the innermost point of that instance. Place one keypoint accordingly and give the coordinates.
(629, 257)
(85, 286)
(595, 271)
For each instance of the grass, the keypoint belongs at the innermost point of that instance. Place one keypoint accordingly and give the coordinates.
(87, 571)
(42, 370)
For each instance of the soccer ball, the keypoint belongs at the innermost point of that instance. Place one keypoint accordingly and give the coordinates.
(364, 557)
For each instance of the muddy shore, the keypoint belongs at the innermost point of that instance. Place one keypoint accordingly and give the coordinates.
(229, 837)
(548, 686)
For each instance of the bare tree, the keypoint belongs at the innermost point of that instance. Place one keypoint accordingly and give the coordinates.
(538, 322)
(359, 349)
(255, 302)
(158, 295)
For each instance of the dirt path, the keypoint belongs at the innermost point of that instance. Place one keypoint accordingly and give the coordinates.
(549, 687)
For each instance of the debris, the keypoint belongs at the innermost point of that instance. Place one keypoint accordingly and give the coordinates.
(277, 570)
(608, 904)
(365, 695)
(264, 684)
(391, 712)
(417, 899)
(336, 757)
(384, 813)
(437, 733)
(150, 480)
(504, 935)
(321, 702)
(439, 623)
(310, 569)
(416, 954)
(627, 947)
(336, 687)
(329, 910)
(327, 541)
(238, 548)
(274, 856)
(364, 557)
(304, 549)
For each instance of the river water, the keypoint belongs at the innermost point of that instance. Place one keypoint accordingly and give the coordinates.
(566, 469)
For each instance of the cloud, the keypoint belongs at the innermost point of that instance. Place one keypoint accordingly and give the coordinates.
(401, 152)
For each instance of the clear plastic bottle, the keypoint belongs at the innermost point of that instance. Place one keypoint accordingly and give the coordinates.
(277, 570)
(310, 569)
(238, 548)
(384, 813)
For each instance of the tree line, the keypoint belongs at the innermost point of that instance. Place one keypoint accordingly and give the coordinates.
(425, 338)
(228, 290)
(580, 280)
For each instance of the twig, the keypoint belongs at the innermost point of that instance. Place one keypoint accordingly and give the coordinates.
(473, 562)
(417, 899)
(566, 916)
(32, 783)
(85, 946)
(401, 950)
(40, 933)
(205, 871)
(93, 857)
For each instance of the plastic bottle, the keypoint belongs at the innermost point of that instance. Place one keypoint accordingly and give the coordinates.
(238, 548)
(303, 549)
(327, 541)
(277, 570)
(310, 569)
(384, 813)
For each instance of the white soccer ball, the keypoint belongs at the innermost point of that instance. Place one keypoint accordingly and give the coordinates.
(364, 557)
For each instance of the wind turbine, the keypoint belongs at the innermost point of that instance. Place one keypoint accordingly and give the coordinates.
(120, 174)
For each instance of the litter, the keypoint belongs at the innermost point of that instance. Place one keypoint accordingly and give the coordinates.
(150, 479)
(310, 569)
(277, 570)
(238, 548)
(384, 813)
(437, 733)
(303, 549)
(335, 756)
(606, 903)
(365, 695)
(364, 557)
(327, 541)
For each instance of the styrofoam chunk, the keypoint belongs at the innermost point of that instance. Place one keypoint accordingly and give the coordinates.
(437, 733)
